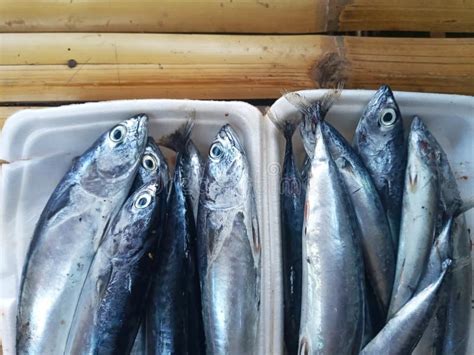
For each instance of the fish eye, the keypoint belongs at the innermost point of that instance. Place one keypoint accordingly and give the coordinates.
(118, 134)
(388, 117)
(216, 151)
(149, 162)
(143, 200)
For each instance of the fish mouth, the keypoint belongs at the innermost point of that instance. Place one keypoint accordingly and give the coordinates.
(231, 135)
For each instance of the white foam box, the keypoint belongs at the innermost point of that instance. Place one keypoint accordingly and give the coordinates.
(39, 146)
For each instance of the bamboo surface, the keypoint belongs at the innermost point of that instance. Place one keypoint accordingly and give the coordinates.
(236, 16)
(89, 67)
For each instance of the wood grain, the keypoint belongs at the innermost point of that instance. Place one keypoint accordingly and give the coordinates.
(236, 16)
(34, 67)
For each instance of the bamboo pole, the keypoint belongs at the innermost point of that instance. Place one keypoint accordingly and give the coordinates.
(88, 67)
(236, 16)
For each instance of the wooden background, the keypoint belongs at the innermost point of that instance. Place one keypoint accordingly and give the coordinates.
(63, 51)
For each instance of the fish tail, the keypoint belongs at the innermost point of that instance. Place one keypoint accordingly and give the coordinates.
(318, 109)
(179, 138)
(287, 126)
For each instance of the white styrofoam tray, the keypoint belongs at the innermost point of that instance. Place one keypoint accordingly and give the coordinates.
(449, 117)
(39, 145)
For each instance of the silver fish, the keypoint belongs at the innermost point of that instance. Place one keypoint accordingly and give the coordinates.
(379, 141)
(153, 168)
(192, 161)
(432, 340)
(174, 317)
(419, 213)
(456, 335)
(229, 249)
(68, 233)
(377, 245)
(332, 305)
(403, 331)
(109, 309)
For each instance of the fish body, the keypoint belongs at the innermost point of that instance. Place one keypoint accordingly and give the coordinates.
(379, 141)
(174, 321)
(111, 303)
(68, 233)
(153, 168)
(194, 167)
(454, 331)
(292, 195)
(376, 241)
(432, 340)
(332, 304)
(403, 331)
(457, 331)
(419, 214)
(229, 249)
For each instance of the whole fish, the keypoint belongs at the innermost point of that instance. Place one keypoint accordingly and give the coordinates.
(68, 233)
(229, 249)
(332, 304)
(379, 141)
(193, 164)
(174, 320)
(455, 323)
(292, 196)
(403, 331)
(153, 168)
(110, 306)
(432, 340)
(419, 214)
(376, 241)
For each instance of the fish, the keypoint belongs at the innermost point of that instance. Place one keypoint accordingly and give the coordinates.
(229, 249)
(292, 196)
(432, 340)
(379, 141)
(458, 309)
(68, 233)
(403, 331)
(419, 214)
(373, 230)
(111, 303)
(458, 314)
(332, 303)
(153, 168)
(174, 322)
(375, 235)
(193, 162)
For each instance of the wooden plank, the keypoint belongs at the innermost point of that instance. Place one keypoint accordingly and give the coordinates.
(407, 15)
(189, 16)
(34, 67)
(236, 16)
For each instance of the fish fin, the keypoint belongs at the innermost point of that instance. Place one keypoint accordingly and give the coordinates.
(286, 126)
(178, 139)
(318, 109)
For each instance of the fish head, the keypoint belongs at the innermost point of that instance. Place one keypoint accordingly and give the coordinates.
(134, 221)
(381, 120)
(225, 176)
(153, 167)
(116, 156)
(420, 144)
